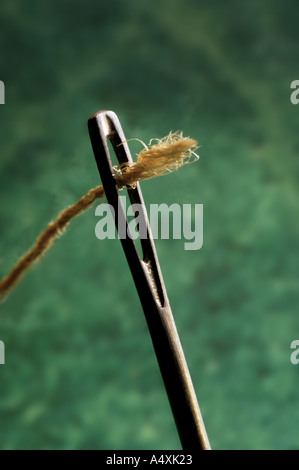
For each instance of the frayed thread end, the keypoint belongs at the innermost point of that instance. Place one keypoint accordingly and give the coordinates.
(167, 155)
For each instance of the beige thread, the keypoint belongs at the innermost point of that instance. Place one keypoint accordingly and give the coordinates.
(169, 154)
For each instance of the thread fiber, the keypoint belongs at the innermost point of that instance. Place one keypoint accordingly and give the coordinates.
(167, 155)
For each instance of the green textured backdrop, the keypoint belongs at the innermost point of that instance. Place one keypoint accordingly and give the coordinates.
(81, 372)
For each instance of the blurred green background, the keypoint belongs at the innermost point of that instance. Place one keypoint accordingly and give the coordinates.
(81, 372)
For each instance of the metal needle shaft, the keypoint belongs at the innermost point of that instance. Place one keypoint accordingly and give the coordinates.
(104, 126)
